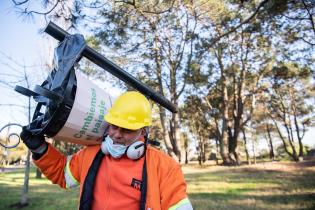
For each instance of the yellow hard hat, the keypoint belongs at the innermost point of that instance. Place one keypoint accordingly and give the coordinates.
(131, 110)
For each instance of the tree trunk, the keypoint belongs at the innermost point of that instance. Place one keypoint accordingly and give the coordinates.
(293, 154)
(301, 153)
(217, 151)
(298, 133)
(237, 159)
(271, 151)
(166, 136)
(254, 152)
(238, 117)
(174, 136)
(238, 105)
(24, 195)
(38, 174)
(203, 150)
(225, 114)
(233, 154)
(174, 120)
(199, 155)
(186, 156)
(224, 147)
(199, 159)
(245, 147)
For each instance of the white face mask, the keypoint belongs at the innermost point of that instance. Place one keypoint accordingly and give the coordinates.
(115, 150)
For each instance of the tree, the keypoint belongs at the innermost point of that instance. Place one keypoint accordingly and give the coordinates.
(192, 114)
(240, 66)
(289, 106)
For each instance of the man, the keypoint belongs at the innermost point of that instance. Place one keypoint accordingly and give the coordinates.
(122, 173)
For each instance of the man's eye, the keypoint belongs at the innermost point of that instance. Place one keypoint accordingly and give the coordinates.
(127, 130)
(114, 127)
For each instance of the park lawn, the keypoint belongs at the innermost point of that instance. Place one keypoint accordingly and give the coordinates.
(42, 194)
(261, 186)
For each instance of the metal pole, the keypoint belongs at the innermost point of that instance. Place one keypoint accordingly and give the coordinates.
(59, 34)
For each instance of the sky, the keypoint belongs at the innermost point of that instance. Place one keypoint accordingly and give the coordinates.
(20, 39)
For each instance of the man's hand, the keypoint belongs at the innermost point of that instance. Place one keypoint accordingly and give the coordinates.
(36, 143)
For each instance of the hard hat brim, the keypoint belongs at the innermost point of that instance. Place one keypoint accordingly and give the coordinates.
(123, 123)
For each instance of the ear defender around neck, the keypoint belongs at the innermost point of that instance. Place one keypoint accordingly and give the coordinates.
(135, 150)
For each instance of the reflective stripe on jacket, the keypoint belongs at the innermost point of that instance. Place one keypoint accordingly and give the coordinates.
(166, 185)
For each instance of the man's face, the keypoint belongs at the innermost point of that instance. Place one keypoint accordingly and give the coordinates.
(124, 136)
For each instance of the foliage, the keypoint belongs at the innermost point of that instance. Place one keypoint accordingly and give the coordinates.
(67, 148)
(12, 156)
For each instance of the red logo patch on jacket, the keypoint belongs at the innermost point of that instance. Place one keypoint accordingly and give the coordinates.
(135, 183)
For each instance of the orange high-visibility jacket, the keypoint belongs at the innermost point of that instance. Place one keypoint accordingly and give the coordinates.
(166, 188)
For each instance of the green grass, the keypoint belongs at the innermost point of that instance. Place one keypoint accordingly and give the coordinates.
(247, 188)
(209, 187)
(42, 194)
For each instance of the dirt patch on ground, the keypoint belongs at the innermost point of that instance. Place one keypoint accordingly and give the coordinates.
(285, 166)
(308, 165)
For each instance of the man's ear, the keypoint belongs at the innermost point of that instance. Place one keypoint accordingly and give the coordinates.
(145, 131)
(106, 128)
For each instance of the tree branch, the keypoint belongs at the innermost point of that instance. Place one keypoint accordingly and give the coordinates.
(133, 3)
(27, 13)
(310, 16)
(19, 3)
(310, 43)
(240, 25)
